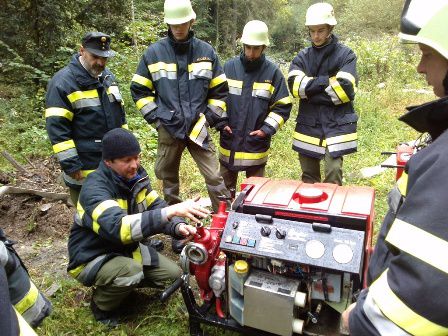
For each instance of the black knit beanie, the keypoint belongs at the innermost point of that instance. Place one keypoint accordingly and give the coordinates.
(118, 143)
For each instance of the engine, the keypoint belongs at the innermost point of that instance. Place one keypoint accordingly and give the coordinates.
(287, 259)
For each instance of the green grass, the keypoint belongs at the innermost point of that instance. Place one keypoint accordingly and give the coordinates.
(380, 62)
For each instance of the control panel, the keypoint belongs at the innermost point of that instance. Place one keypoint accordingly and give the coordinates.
(314, 244)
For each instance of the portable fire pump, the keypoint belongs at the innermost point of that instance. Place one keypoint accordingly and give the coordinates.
(287, 258)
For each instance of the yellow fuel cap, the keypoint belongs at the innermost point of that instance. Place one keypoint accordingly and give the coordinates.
(241, 266)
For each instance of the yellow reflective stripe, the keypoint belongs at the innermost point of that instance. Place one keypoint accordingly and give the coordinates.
(58, 112)
(75, 272)
(198, 127)
(162, 66)
(224, 151)
(77, 95)
(142, 102)
(151, 197)
(283, 101)
(219, 103)
(122, 203)
(25, 328)
(399, 313)
(300, 75)
(348, 76)
(235, 83)
(307, 138)
(402, 183)
(419, 243)
(137, 255)
(277, 117)
(125, 126)
(125, 230)
(342, 138)
(200, 66)
(98, 211)
(85, 173)
(28, 300)
(250, 156)
(339, 90)
(264, 86)
(143, 81)
(80, 210)
(218, 80)
(63, 146)
(141, 196)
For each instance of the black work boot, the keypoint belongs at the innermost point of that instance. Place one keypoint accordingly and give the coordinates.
(109, 318)
(177, 245)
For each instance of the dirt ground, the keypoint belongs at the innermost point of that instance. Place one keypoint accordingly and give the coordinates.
(40, 226)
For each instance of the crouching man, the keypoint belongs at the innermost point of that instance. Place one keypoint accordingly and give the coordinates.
(116, 212)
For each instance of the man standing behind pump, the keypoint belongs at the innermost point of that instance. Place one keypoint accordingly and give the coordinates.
(258, 105)
(324, 77)
(181, 89)
(83, 102)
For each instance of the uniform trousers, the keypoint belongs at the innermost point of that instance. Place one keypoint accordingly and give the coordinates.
(169, 154)
(311, 169)
(119, 276)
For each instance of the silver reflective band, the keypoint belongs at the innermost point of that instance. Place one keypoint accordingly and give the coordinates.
(342, 146)
(148, 108)
(261, 93)
(235, 90)
(89, 102)
(334, 97)
(67, 154)
(129, 281)
(3, 254)
(164, 74)
(308, 147)
(302, 87)
(381, 323)
(90, 265)
(32, 313)
(248, 163)
(201, 73)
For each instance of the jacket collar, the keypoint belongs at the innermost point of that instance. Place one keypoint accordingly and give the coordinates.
(116, 180)
(250, 66)
(180, 47)
(332, 41)
(430, 117)
(82, 76)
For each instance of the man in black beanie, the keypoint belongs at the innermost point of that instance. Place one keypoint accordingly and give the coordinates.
(117, 211)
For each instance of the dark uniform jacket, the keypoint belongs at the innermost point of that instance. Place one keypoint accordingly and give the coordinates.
(258, 100)
(181, 86)
(325, 79)
(112, 219)
(80, 109)
(408, 271)
(28, 301)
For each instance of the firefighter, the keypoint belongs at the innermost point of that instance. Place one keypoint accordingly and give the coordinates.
(83, 102)
(257, 106)
(117, 211)
(408, 272)
(27, 300)
(180, 89)
(323, 76)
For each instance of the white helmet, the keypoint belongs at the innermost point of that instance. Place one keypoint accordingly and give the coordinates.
(255, 33)
(178, 11)
(320, 13)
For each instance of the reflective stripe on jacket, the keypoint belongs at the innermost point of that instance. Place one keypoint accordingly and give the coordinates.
(181, 85)
(258, 100)
(408, 271)
(24, 295)
(111, 220)
(80, 109)
(325, 79)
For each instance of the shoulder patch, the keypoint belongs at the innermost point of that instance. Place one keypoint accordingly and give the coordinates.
(203, 59)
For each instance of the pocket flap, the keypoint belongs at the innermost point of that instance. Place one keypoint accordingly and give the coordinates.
(348, 119)
(306, 120)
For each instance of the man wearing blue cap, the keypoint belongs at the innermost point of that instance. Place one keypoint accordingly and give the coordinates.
(83, 102)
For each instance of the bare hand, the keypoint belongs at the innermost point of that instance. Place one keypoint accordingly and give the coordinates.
(228, 129)
(188, 209)
(345, 317)
(77, 175)
(187, 230)
(259, 133)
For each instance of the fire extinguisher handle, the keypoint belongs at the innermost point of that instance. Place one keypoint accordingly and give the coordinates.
(171, 289)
